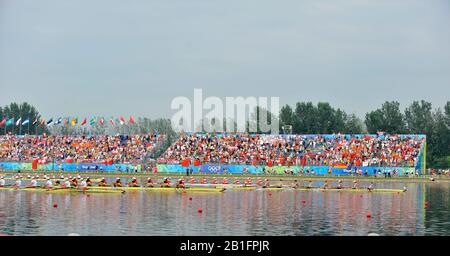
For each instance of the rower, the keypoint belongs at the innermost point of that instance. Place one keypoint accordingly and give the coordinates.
(339, 186)
(325, 185)
(296, 185)
(66, 184)
(83, 184)
(150, 183)
(165, 183)
(370, 188)
(28, 177)
(310, 184)
(203, 181)
(266, 183)
(88, 182)
(225, 181)
(248, 182)
(180, 183)
(259, 181)
(215, 181)
(2, 182)
(33, 183)
(281, 184)
(118, 183)
(18, 182)
(57, 183)
(102, 182)
(134, 183)
(192, 181)
(355, 184)
(62, 177)
(75, 182)
(237, 181)
(48, 184)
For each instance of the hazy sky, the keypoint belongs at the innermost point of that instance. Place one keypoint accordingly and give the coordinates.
(133, 57)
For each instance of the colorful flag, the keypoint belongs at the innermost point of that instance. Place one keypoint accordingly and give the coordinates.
(18, 121)
(111, 121)
(131, 120)
(3, 122)
(66, 122)
(75, 121)
(26, 122)
(35, 121)
(185, 163)
(92, 122)
(49, 122)
(84, 122)
(122, 120)
(43, 122)
(101, 121)
(10, 122)
(59, 121)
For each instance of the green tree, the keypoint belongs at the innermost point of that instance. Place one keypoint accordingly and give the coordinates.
(439, 140)
(387, 119)
(447, 114)
(339, 122)
(305, 118)
(22, 111)
(353, 125)
(286, 116)
(419, 117)
(324, 120)
(255, 121)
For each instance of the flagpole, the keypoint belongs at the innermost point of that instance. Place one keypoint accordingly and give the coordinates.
(36, 126)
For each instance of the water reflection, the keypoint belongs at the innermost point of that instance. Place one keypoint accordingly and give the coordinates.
(229, 213)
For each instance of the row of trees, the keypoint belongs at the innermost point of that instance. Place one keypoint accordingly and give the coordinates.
(307, 118)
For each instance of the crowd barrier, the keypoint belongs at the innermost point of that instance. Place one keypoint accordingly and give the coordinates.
(71, 167)
(210, 169)
(295, 170)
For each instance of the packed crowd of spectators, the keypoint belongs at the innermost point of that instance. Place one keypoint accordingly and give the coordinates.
(77, 149)
(301, 150)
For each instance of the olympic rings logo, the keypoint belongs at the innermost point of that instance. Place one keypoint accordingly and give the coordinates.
(214, 168)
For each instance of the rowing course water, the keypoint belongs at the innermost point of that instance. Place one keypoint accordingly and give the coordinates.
(230, 213)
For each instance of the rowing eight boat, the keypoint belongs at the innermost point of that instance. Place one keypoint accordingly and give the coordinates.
(379, 190)
(62, 190)
(161, 189)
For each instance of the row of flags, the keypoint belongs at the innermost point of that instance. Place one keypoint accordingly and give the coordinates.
(60, 120)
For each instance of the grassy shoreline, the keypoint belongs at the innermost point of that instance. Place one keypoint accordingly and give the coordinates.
(421, 179)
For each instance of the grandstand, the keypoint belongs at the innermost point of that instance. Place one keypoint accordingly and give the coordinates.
(325, 154)
(76, 152)
(220, 153)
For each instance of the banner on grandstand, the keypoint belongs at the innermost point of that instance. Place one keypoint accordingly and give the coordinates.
(283, 170)
(71, 167)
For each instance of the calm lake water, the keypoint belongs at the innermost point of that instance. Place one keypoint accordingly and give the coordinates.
(230, 213)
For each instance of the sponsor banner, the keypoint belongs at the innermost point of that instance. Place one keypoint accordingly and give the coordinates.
(283, 170)
(213, 169)
(71, 167)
